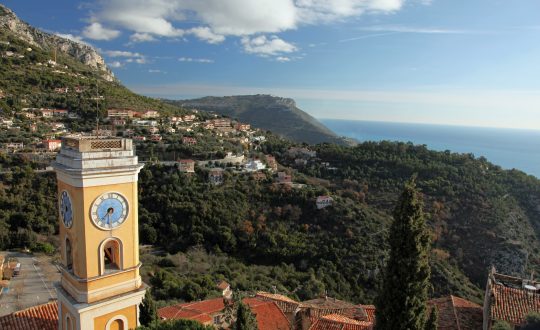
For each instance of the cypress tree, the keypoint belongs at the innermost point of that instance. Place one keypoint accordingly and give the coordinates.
(245, 320)
(147, 310)
(401, 302)
(433, 319)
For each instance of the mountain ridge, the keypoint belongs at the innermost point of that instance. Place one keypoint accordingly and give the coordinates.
(84, 53)
(277, 114)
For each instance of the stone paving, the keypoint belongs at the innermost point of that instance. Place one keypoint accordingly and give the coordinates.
(33, 286)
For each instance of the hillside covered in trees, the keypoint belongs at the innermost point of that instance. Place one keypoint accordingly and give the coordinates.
(259, 235)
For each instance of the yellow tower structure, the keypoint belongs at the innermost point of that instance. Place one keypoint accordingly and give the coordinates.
(100, 287)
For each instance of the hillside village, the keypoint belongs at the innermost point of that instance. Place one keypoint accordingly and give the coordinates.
(318, 225)
(150, 129)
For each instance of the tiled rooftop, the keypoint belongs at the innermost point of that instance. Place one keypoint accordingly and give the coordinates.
(197, 310)
(42, 317)
(512, 304)
(457, 313)
(268, 314)
(340, 322)
(370, 311)
(275, 296)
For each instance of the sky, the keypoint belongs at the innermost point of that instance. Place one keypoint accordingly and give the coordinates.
(453, 62)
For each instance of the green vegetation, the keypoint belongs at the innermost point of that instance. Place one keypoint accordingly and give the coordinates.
(279, 115)
(30, 82)
(258, 235)
(433, 319)
(532, 321)
(147, 310)
(501, 325)
(401, 302)
(245, 320)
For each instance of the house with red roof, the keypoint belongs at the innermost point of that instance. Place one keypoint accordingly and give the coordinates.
(457, 313)
(189, 140)
(287, 305)
(211, 312)
(509, 299)
(312, 310)
(52, 145)
(340, 322)
(186, 165)
(225, 289)
(42, 317)
(272, 163)
(269, 316)
(207, 312)
(370, 311)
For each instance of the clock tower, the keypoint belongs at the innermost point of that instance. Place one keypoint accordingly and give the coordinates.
(100, 286)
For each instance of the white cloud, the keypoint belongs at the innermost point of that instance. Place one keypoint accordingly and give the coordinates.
(131, 57)
(141, 37)
(97, 31)
(264, 46)
(156, 71)
(121, 53)
(283, 59)
(204, 33)
(217, 19)
(197, 60)
(116, 64)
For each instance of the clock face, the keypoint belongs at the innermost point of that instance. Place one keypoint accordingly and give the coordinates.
(66, 212)
(109, 210)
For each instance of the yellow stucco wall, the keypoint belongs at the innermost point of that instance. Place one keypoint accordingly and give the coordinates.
(62, 317)
(130, 313)
(86, 238)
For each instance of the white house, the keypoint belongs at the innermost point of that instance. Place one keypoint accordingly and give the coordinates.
(324, 201)
(255, 165)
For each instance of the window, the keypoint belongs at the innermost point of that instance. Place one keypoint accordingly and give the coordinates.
(69, 255)
(110, 255)
(117, 325)
(118, 322)
(69, 323)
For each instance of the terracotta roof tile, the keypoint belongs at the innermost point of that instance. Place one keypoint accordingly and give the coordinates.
(222, 285)
(340, 322)
(370, 312)
(316, 308)
(275, 296)
(42, 317)
(197, 310)
(512, 304)
(457, 313)
(269, 316)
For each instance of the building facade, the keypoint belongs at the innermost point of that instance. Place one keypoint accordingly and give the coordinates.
(100, 285)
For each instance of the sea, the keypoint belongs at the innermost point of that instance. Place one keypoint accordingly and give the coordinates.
(508, 148)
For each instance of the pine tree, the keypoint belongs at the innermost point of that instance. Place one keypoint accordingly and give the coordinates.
(245, 320)
(401, 302)
(433, 319)
(148, 311)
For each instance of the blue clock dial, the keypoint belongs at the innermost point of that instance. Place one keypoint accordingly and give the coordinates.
(66, 212)
(109, 210)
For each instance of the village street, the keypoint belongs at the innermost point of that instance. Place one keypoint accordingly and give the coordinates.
(33, 286)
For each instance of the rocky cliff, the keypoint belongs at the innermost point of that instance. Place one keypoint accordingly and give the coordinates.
(49, 42)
